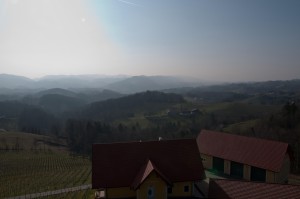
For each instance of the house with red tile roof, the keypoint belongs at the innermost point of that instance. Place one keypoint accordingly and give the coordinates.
(153, 169)
(225, 189)
(244, 157)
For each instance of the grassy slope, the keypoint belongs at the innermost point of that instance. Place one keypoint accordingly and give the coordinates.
(241, 127)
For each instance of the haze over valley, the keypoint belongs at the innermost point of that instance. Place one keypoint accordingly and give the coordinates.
(74, 73)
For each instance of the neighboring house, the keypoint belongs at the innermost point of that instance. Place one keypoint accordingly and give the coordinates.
(146, 170)
(224, 189)
(244, 157)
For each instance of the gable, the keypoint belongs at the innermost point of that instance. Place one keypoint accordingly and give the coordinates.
(153, 179)
(154, 183)
(148, 170)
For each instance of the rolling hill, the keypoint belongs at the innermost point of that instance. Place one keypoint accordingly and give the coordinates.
(14, 81)
(129, 105)
(143, 83)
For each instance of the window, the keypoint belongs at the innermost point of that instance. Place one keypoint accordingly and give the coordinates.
(186, 188)
(218, 165)
(258, 174)
(170, 190)
(151, 193)
(236, 170)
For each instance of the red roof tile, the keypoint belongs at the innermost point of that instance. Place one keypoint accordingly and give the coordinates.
(256, 152)
(221, 188)
(119, 164)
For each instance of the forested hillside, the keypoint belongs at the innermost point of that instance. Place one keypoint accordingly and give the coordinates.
(265, 109)
(146, 102)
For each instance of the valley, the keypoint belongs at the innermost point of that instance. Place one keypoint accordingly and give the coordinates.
(46, 135)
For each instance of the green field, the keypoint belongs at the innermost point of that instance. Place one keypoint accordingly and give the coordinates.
(241, 128)
(44, 168)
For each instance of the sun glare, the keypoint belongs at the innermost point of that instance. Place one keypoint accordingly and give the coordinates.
(43, 37)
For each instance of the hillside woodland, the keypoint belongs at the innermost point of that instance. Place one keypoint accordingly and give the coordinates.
(82, 116)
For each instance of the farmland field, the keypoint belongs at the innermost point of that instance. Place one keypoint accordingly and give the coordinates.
(29, 172)
(33, 171)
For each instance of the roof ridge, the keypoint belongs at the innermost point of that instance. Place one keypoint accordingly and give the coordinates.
(147, 141)
(242, 136)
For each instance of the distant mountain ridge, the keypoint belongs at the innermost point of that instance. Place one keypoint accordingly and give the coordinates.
(14, 81)
(8, 81)
(117, 85)
(121, 84)
(137, 84)
(56, 91)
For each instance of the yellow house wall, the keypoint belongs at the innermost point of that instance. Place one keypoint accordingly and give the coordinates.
(120, 192)
(178, 189)
(159, 186)
(270, 176)
(206, 161)
(247, 171)
(227, 167)
(153, 180)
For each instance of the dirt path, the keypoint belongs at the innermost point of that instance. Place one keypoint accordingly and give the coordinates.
(54, 192)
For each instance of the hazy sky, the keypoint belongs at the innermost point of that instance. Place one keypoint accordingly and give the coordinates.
(217, 40)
